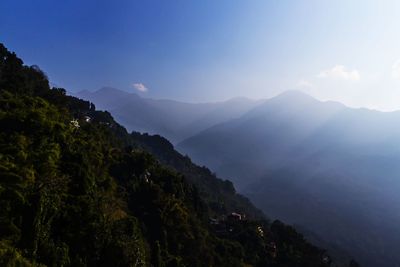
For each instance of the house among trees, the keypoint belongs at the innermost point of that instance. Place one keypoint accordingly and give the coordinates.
(235, 216)
(214, 221)
(75, 123)
(146, 176)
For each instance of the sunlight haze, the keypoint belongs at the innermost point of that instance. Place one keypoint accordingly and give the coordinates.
(199, 51)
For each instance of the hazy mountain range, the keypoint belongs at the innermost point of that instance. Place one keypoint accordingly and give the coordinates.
(331, 170)
(172, 119)
(322, 166)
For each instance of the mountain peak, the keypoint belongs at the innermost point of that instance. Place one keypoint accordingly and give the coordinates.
(295, 103)
(295, 95)
(108, 89)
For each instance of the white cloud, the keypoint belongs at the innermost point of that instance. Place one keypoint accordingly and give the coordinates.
(396, 70)
(340, 72)
(140, 87)
(304, 84)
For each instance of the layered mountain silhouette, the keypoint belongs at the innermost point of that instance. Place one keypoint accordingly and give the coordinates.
(171, 119)
(319, 165)
(328, 169)
(76, 189)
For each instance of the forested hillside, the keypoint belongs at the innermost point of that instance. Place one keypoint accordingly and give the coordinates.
(77, 190)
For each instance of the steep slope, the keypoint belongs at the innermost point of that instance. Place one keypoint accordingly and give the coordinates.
(77, 190)
(315, 164)
(219, 194)
(172, 119)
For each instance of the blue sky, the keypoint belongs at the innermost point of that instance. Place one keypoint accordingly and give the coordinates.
(210, 50)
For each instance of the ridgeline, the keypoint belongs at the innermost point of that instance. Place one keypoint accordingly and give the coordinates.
(76, 189)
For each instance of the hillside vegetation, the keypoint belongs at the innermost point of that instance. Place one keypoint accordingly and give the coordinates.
(77, 190)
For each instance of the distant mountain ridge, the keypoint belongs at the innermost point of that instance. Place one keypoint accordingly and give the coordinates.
(173, 119)
(312, 163)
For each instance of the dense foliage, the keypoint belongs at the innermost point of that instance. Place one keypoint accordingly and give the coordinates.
(77, 190)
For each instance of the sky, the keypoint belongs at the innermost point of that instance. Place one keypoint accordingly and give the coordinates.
(198, 51)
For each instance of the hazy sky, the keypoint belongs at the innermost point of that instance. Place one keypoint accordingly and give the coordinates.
(347, 51)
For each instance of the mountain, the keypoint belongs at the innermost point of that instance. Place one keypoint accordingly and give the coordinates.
(239, 148)
(172, 119)
(321, 166)
(76, 189)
